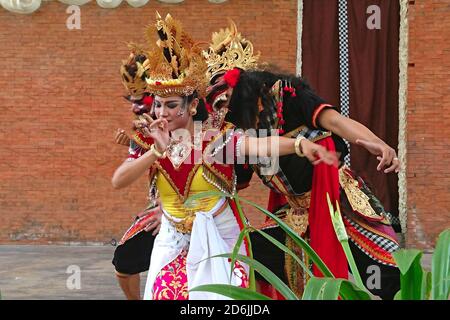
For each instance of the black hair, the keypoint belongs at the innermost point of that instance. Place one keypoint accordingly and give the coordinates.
(202, 112)
(255, 85)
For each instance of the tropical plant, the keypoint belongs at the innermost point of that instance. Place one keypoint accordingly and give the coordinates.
(419, 284)
(416, 283)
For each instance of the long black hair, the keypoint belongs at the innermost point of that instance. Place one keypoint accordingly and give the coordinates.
(202, 112)
(256, 85)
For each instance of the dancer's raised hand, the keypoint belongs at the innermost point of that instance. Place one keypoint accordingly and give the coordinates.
(385, 154)
(158, 130)
(121, 137)
(317, 153)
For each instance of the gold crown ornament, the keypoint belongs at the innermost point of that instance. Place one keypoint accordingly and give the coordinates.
(176, 65)
(133, 72)
(228, 50)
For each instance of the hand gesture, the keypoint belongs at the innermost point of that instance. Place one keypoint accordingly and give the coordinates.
(385, 154)
(122, 138)
(155, 129)
(154, 222)
(317, 153)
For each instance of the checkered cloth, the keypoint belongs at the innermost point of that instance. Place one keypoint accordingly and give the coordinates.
(310, 134)
(384, 243)
(344, 78)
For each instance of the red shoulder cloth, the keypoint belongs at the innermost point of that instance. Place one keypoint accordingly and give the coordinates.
(323, 237)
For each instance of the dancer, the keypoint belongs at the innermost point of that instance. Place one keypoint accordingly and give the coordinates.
(265, 100)
(132, 255)
(261, 99)
(191, 232)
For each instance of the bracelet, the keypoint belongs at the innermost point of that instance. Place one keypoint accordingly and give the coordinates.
(298, 147)
(156, 152)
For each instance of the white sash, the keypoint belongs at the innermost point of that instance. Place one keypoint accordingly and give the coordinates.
(210, 236)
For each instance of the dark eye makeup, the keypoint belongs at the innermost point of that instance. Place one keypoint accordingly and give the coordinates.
(170, 105)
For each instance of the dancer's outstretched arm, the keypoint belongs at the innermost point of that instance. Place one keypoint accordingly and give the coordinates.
(275, 146)
(359, 134)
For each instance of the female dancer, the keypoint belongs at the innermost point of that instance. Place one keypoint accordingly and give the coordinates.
(184, 162)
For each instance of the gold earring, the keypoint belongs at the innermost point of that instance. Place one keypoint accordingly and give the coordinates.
(193, 112)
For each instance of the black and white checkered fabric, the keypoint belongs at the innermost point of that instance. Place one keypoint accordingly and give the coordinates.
(310, 134)
(344, 78)
(384, 243)
(393, 219)
(268, 180)
(264, 162)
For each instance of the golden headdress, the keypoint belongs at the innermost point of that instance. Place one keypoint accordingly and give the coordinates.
(228, 50)
(133, 72)
(176, 66)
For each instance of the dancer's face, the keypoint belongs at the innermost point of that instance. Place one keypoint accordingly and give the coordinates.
(220, 93)
(139, 108)
(175, 110)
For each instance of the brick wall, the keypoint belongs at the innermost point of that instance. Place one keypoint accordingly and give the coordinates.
(428, 172)
(60, 103)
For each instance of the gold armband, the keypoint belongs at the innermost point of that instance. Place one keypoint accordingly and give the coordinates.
(298, 147)
(156, 152)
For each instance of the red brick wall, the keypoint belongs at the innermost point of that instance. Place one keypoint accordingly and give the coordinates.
(61, 103)
(428, 119)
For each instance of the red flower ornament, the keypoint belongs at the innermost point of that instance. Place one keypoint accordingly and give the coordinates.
(148, 100)
(232, 76)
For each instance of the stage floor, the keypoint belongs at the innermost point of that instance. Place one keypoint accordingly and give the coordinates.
(40, 272)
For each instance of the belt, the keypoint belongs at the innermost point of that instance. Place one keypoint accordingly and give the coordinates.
(297, 215)
(185, 225)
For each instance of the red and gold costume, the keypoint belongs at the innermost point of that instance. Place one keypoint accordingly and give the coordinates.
(191, 231)
(298, 189)
(199, 172)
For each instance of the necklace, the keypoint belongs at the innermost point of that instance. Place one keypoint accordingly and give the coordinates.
(179, 149)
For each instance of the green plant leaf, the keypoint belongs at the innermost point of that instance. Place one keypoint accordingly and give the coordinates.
(232, 292)
(353, 291)
(322, 289)
(331, 289)
(297, 239)
(285, 249)
(252, 280)
(405, 258)
(411, 273)
(341, 233)
(191, 201)
(276, 282)
(440, 268)
(346, 293)
(426, 285)
(236, 248)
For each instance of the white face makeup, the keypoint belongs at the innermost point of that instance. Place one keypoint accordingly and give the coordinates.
(174, 110)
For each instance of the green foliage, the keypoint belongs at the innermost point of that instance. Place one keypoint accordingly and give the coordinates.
(232, 292)
(440, 268)
(330, 289)
(412, 276)
(419, 284)
(416, 283)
